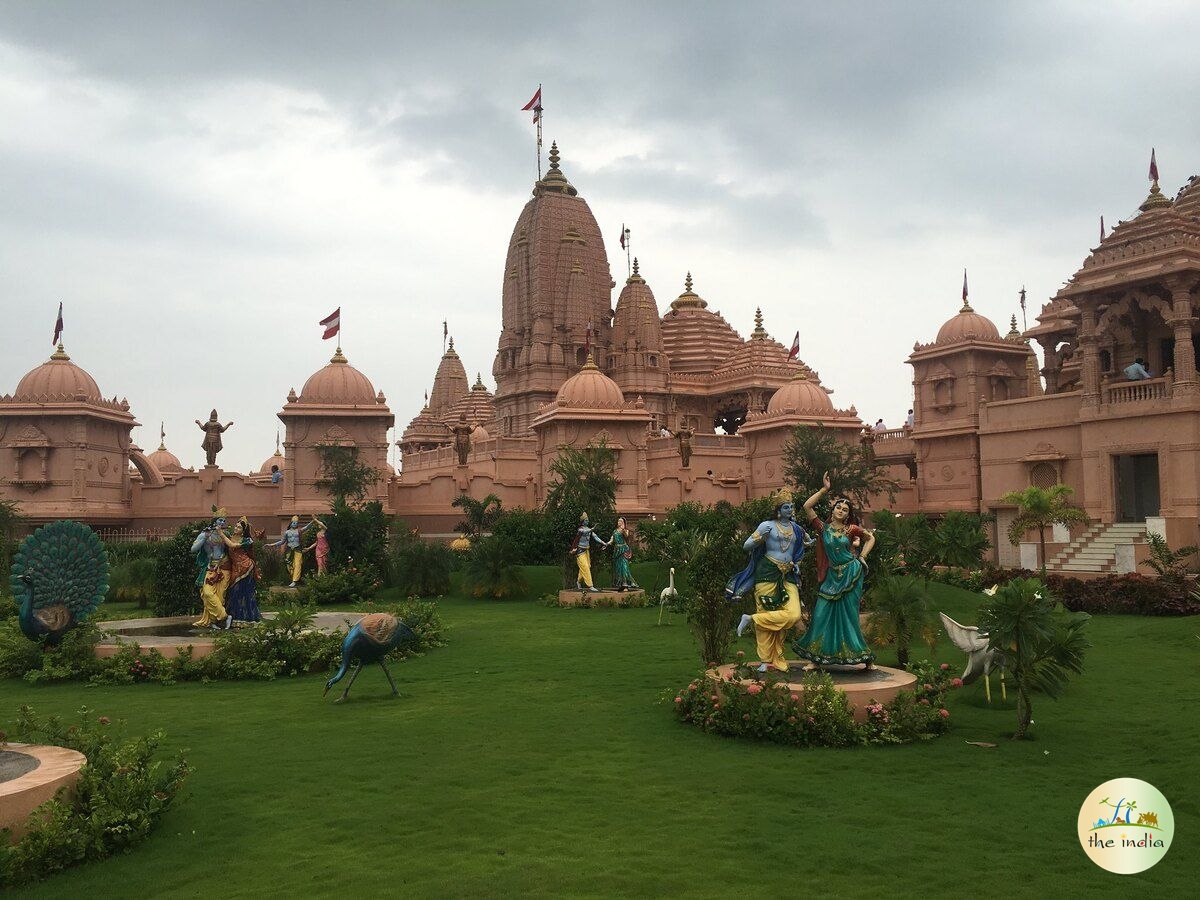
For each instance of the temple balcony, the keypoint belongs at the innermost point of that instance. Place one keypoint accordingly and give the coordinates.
(1126, 392)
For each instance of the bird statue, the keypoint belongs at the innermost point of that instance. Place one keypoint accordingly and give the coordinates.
(981, 656)
(668, 595)
(59, 577)
(370, 640)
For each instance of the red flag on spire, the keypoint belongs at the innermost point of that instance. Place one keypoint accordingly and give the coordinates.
(332, 324)
(58, 325)
(795, 351)
(624, 235)
(1153, 167)
(535, 104)
(964, 285)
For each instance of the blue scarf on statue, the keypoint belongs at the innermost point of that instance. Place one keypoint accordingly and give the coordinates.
(743, 582)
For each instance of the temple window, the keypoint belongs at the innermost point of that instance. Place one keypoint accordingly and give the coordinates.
(1043, 475)
(1105, 361)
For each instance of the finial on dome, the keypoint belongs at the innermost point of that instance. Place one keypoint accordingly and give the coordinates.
(162, 436)
(59, 353)
(1156, 200)
(635, 265)
(277, 442)
(450, 349)
(1012, 328)
(688, 298)
(338, 356)
(590, 364)
(687, 283)
(554, 154)
(759, 333)
(479, 385)
(635, 277)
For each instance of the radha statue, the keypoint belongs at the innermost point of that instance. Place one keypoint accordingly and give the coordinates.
(776, 547)
(834, 636)
(240, 600)
(622, 554)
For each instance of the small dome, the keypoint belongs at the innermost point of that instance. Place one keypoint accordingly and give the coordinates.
(164, 460)
(966, 325)
(339, 383)
(276, 460)
(480, 434)
(800, 395)
(591, 389)
(59, 378)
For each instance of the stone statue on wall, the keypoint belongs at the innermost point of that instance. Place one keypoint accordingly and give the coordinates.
(212, 437)
(684, 436)
(462, 438)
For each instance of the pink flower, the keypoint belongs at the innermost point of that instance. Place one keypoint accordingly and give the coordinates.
(957, 682)
(713, 698)
(741, 654)
(746, 717)
(944, 666)
(678, 699)
(924, 701)
(791, 720)
(944, 713)
(104, 720)
(928, 687)
(716, 706)
(754, 689)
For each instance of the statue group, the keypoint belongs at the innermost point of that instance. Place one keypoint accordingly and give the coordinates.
(834, 636)
(581, 546)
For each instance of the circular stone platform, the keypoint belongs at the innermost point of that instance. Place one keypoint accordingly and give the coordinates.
(861, 686)
(168, 634)
(31, 774)
(634, 598)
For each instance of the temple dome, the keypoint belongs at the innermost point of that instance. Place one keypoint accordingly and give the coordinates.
(277, 459)
(590, 388)
(339, 383)
(760, 352)
(696, 340)
(164, 460)
(968, 325)
(480, 434)
(58, 379)
(477, 405)
(800, 395)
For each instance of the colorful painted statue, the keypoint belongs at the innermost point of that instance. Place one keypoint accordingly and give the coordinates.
(370, 640)
(320, 546)
(59, 576)
(834, 636)
(776, 547)
(212, 559)
(581, 548)
(292, 543)
(240, 600)
(211, 445)
(622, 554)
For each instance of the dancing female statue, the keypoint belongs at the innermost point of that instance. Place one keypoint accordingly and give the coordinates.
(834, 636)
(776, 547)
(212, 558)
(622, 554)
(320, 546)
(240, 600)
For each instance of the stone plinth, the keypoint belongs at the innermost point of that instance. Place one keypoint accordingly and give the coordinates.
(635, 598)
(55, 768)
(861, 686)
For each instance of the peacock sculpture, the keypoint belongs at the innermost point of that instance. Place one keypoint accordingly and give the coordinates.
(370, 640)
(59, 577)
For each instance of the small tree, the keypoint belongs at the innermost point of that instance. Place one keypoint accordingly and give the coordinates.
(960, 540)
(1041, 642)
(584, 480)
(478, 515)
(715, 555)
(357, 530)
(1041, 508)
(10, 520)
(900, 614)
(812, 451)
(904, 543)
(343, 475)
(489, 569)
(1170, 565)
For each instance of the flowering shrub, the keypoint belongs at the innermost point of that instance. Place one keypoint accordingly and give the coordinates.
(347, 587)
(820, 716)
(120, 796)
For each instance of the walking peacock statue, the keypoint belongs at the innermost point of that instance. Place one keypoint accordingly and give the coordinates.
(370, 640)
(59, 577)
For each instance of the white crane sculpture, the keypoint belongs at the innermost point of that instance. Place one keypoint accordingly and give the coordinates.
(981, 657)
(668, 595)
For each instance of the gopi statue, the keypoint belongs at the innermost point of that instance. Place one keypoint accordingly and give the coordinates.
(59, 576)
(213, 430)
(834, 636)
(320, 546)
(776, 548)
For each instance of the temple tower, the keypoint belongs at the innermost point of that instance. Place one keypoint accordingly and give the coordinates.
(637, 361)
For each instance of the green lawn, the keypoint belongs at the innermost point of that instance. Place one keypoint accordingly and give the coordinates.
(533, 755)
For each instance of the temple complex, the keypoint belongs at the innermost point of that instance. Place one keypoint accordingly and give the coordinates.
(695, 411)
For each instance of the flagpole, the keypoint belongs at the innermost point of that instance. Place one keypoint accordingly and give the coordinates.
(539, 111)
(1024, 321)
(628, 254)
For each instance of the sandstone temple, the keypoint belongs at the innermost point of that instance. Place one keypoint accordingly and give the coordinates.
(696, 411)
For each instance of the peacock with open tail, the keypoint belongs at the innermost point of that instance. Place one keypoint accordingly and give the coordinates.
(370, 640)
(59, 577)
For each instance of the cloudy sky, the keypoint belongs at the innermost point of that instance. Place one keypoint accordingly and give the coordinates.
(200, 183)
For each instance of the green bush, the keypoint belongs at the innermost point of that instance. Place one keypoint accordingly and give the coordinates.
(175, 591)
(357, 535)
(532, 537)
(422, 568)
(347, 587)
(121, 794)
(132, 580)
(490, 569)
(125, 552)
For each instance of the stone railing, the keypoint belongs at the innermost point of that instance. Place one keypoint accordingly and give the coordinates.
(892, 434)
(1138, 391)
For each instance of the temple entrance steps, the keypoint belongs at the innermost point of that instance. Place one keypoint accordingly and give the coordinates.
(1096, 549)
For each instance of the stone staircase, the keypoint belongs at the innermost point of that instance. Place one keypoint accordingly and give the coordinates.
(1095, 549)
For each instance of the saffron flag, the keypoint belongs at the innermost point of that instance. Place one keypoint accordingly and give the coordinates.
(332, 324)
(1153, 167)
(795, 351)
(58, 325)
(535, 104)
(964, 285)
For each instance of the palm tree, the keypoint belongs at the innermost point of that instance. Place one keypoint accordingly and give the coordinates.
(1042, 643)
(10, 519)
(900, 613)
(1040, 508)
(489, 570)
(479, 515)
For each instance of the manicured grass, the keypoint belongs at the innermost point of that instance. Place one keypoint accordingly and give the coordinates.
(534, 755)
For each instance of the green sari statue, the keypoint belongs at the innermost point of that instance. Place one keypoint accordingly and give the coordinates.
(622, 554)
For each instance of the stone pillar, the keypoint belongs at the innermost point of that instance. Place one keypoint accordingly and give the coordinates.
(1090, 368)
(1181, 323)
(1053, 366)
